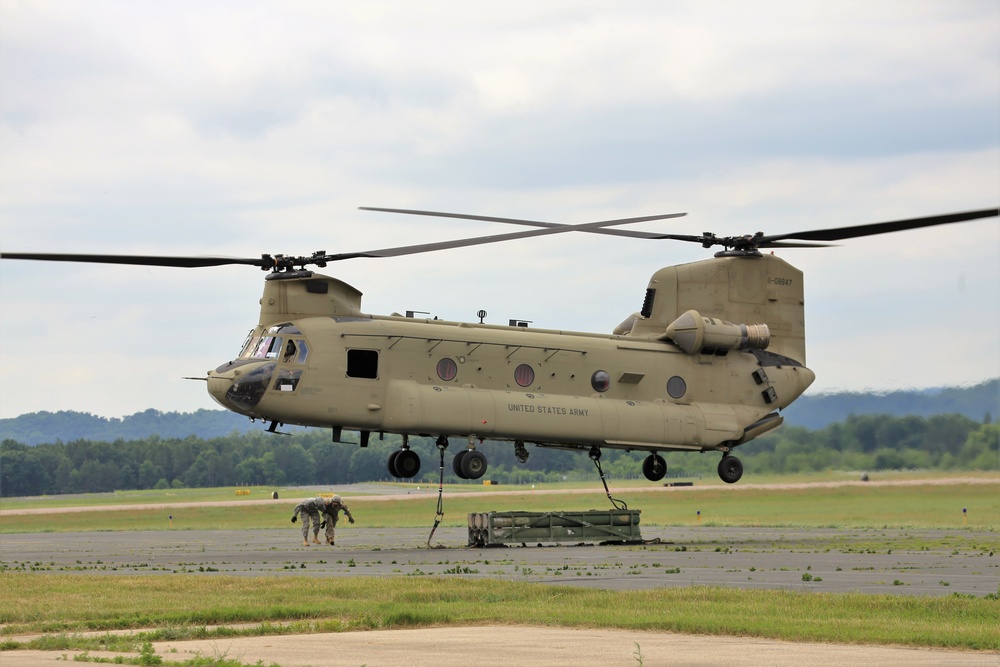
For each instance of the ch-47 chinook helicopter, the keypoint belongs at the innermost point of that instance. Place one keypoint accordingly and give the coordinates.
(708, 363)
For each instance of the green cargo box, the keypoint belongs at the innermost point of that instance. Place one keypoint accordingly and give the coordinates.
(496, 528)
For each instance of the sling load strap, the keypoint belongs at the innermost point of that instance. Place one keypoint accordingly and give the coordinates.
(439, 516)
(618, 504)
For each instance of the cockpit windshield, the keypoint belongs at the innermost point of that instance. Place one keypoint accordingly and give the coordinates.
(249, 345)
(268, 347)
(281, 342)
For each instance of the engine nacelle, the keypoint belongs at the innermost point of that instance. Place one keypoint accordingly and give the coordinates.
(696, 334)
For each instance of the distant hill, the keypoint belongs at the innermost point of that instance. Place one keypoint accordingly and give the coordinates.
(975, 402)
(812, 412)
(42, 427)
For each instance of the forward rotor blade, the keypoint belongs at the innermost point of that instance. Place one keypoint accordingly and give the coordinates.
(281, 262)
(537, 223)
(139, 260)
(838, 233)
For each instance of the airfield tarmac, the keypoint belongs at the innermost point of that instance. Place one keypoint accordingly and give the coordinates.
(828, 560)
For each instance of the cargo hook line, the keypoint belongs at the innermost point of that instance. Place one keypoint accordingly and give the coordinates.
(442, 444)
(595, 456)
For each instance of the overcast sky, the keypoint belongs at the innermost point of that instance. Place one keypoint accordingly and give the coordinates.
(240, 128)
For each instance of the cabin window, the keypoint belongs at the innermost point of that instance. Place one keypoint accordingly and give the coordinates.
(447, 369)
(676, 386)
(600, 381)
(362, 364)
(524, 375)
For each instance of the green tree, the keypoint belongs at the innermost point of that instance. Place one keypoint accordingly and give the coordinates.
(149, 474)
(273, 474)
(981, 450)
(210, 468)
(298, 465)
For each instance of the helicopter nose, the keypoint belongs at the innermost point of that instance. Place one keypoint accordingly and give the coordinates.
(240, 388)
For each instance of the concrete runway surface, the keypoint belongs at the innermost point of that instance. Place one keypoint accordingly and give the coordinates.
(831, 560)
(539, 647)
(828, 560)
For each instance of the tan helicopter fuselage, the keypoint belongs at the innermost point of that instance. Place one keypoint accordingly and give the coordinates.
(689, 372)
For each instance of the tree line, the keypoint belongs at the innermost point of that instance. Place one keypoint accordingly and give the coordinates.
(308, 457)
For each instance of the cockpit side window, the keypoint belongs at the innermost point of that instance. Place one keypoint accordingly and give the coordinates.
(288, 380)
(295, 351)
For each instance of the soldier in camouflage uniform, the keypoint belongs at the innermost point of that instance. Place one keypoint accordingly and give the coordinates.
(310, 509)
(330, 515)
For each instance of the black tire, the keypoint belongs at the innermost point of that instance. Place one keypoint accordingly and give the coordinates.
(730, 469)
(456, 464)
(474, 464)
(392, 464)
(654, 467)
(407, 463)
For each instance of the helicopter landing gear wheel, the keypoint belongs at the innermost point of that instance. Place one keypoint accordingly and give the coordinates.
(473, 464)
(469, 464)
(730, 469)
(457, 463)
(405, 463)
(654, 467)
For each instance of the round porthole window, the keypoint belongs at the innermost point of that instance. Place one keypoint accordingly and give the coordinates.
(524, 375)
(600, 381)
(447, 369)
(676, 386)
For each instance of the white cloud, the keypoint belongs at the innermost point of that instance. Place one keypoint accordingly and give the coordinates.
(238, 128)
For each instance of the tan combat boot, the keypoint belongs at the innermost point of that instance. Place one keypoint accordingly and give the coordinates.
(305, 543)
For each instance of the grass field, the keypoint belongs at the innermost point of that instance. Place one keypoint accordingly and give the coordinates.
(932, 505)
(153, 607)
(184, 606)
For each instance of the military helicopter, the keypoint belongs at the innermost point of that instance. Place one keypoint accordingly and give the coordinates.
(708, 363)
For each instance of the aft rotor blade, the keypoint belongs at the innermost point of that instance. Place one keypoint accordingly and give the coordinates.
(537, 223)
(785, 244)
(140, 260)
(460, 243)
(838, 233)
